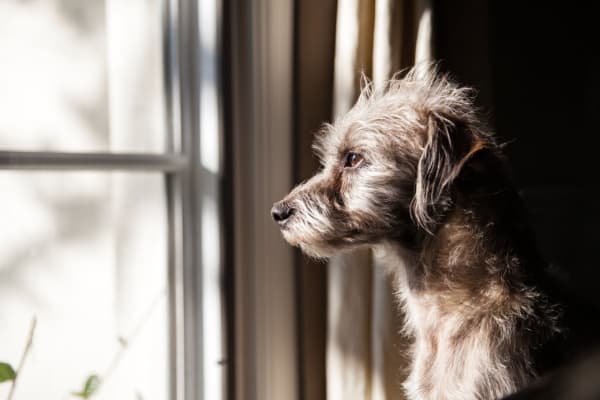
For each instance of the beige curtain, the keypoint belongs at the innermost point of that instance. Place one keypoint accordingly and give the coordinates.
(365, 351)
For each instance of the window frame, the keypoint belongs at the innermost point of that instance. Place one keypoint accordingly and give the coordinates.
(187, 183)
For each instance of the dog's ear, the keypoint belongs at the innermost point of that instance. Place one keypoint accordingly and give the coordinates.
(449, 146)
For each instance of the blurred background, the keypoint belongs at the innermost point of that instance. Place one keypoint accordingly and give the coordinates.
(83, 252)
(142, 143)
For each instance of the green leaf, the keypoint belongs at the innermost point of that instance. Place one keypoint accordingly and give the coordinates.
(7, 373)
(89, 387)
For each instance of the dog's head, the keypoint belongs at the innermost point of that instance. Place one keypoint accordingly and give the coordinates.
(388, 167)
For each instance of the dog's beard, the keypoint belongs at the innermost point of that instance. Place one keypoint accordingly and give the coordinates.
(318, 238)
(312, 239)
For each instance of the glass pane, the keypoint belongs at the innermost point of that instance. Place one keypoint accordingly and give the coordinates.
(85, 254)
(81, 75)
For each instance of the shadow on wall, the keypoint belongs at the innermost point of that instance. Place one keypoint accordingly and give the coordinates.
(53, 76)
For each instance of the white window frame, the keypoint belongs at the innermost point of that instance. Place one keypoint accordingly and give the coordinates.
(191, 58)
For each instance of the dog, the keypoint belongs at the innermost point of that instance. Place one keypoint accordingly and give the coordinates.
(412, 172)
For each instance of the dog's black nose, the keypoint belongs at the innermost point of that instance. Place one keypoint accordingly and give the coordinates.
(281, 212)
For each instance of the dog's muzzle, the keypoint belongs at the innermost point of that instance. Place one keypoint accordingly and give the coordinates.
(281, 212)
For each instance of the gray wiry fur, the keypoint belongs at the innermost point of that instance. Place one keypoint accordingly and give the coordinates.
(427, 191)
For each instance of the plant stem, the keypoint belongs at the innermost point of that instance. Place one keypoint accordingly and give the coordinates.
(116, 360)
(23, 358)
(133, 335)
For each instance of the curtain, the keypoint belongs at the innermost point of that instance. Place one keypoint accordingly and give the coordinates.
(365, 355)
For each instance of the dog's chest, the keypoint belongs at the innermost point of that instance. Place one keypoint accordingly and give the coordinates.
(450, 362)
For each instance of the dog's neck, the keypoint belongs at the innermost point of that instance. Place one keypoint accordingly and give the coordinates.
(464, 265)
(464, 294)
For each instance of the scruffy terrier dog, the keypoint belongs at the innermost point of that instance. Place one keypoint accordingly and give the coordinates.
(411, 172)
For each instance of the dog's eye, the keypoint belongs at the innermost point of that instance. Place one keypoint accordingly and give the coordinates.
(352, 160)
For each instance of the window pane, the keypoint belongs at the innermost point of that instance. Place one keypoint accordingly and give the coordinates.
(86, 254)
(81, 75)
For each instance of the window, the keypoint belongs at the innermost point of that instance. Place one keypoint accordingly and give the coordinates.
(110, 252)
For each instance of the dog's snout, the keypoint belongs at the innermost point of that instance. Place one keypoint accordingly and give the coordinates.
(281, 212)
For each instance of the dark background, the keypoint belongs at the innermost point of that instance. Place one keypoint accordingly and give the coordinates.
(536, 68)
